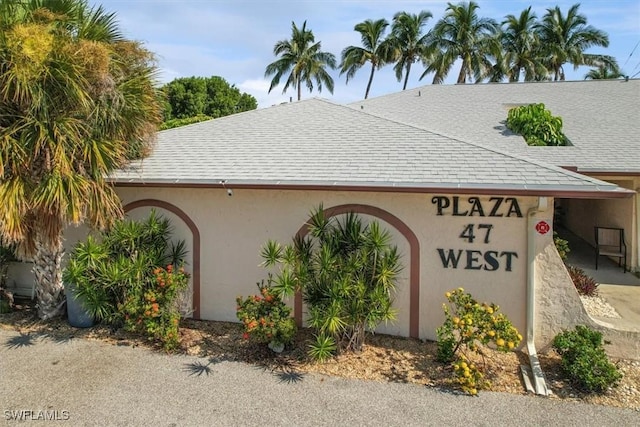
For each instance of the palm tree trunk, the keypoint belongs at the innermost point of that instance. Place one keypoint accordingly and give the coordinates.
(373, 70)
(462, 76)
(47, 269)
(299, 90)
(515, 75)
(406, 76)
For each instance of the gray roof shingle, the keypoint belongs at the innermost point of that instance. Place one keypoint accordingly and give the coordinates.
(319, 143)
(601, 118)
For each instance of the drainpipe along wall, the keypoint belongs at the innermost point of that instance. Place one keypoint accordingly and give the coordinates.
(636, 216)
(537, 377)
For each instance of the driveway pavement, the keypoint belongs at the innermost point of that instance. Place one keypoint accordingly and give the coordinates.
(88, 383)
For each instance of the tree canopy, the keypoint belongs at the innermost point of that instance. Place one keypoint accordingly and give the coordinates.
(409, 41)
(519, 47)
(462, 34)
(565, 39)
(213, 97)
(374, 50)
(303, 59)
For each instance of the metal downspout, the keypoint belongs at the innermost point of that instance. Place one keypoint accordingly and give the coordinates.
(537, 376)
(636, 221)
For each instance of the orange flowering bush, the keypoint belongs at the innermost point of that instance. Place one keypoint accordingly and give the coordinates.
(153, 311)
(266, 318)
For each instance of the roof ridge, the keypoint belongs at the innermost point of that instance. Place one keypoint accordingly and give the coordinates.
(482, 146)
(475, 85)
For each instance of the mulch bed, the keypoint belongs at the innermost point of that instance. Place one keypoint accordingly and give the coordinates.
(384, 358)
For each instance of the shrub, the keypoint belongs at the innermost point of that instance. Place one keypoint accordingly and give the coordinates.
(536, 124)
(584, 283)
(7, 256)
(584, 360)
(5, 306)
(346, 270)
(119, 272)
(562, 246)
(469, 325)
(266, 318)
(155, 313)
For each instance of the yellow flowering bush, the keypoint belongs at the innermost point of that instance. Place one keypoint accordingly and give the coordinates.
(467, 327)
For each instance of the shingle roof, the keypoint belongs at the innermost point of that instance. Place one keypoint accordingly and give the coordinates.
(318, 143)
(601, 118)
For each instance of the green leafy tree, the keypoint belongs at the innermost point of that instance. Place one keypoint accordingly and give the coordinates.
(374, 50)
(462, 34)
(565, 39)
(521, 47)
(408, 41)
(347, 272)
(77, 100)
(213, 97)
(303, 60)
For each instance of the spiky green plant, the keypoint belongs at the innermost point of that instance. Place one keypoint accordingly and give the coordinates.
(347, 272)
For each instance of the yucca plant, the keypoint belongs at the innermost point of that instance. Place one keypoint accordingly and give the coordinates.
(347, 271)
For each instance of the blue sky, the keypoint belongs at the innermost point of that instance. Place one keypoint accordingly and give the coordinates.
(234, 38)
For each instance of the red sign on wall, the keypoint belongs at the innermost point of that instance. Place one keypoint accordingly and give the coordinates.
(543, 227)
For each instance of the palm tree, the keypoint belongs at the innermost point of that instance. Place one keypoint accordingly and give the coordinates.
(76, 101)
(375, 50)
(303, 60)
(565, 39)
(408, 42)
(521, 47)
(605, 70)
(461, 34)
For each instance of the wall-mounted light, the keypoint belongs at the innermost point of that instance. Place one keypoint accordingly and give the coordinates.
(229, 190)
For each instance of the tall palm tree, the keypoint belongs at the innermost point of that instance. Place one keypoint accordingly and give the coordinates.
(375, 50)
(408, 42)
(461, 34)
(303, 59)
(76, 101)
(521, 46)
(566, 38)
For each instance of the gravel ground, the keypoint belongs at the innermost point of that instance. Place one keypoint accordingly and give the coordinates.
(598, 306)
(94, 383)
(385, 359)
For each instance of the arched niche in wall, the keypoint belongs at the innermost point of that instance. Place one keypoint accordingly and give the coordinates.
(414, 258)
(195, 239)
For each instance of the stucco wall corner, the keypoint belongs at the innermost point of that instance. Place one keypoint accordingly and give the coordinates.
(557, 306)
